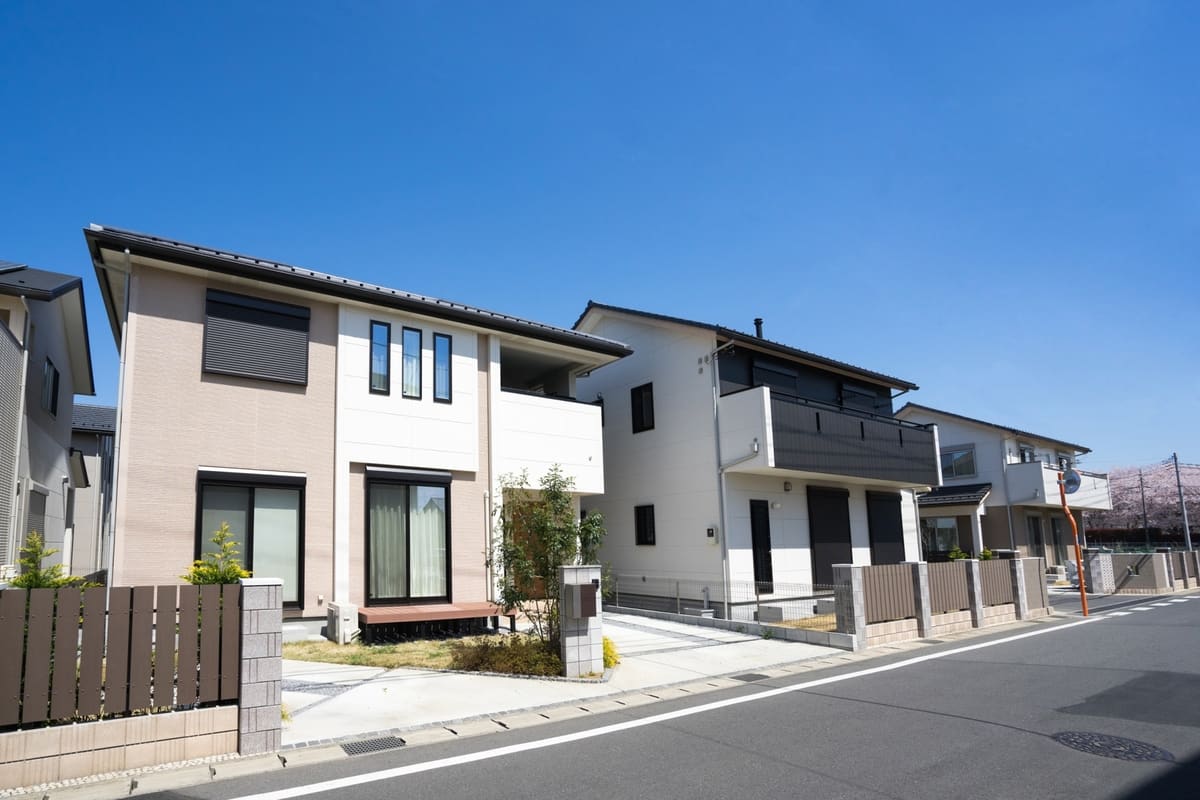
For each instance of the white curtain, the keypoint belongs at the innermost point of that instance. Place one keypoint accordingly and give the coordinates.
(427, 516)
(388, 566)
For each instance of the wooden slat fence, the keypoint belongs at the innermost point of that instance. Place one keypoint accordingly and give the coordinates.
(888, 592)
(66, 657)
(1035, 582)
(996, 579)
(948, 587)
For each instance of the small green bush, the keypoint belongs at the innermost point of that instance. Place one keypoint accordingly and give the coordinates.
(223, 566)
(511, 655)
(35, 576)
(611, 656)
(958, 554)
(986, 555)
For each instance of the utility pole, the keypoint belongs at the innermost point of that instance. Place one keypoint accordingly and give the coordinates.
(1187, 534)
(1145, 523)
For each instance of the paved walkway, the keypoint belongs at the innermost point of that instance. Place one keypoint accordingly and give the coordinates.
(329, 701)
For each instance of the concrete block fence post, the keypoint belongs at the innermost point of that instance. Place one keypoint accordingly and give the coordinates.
(1098, 571)
(975, 591)
(920, 579)
(581, 625)
(851, 603)
(260, 724)
(1020, 597)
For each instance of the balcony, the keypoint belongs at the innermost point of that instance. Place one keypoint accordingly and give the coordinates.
(818, 439)
(533, 432)
(1036, 484)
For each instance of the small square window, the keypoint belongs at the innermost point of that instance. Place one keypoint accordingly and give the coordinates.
(643, 523)
(641, 400)
(958, 462)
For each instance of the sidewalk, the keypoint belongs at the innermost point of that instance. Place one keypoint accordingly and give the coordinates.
(332, 702)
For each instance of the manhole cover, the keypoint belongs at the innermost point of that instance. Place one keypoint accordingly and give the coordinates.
(750, 676)
(372, 745)
(1101, 744)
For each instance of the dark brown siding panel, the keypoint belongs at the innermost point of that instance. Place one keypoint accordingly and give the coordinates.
(36, 701)
(995, 578)
(91, 653)
(116, 672)
(888, 593)
(231, 626)
(210, 642)
(12, 630)
(164, 647)
(948, 587)
(66, 634)
(189, 632)
(141, 633)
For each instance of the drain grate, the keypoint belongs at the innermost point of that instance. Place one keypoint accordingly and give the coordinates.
(1101, 744)
(364, 746)
(750, 676)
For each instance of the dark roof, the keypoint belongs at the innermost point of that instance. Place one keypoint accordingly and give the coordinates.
(228, 263)
(961, 495)
(94, 419)
(1078, 447)
(21, 280)
(765, 344)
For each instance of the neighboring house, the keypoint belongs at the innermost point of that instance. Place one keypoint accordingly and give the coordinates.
(45, 360)
(353, 436)
(735, 459)
(93, 431)
(1000, 489)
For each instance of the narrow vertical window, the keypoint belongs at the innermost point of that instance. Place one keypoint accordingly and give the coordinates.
(50, 388)
(641, 401)
(643, 524)
(441, 367)
(411, 347)
(381, 358)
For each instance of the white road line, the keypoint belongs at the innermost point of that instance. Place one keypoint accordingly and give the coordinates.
(1160, 605)
(501, 752)
(1142, 608)
(1178, 600)
(1118, 614)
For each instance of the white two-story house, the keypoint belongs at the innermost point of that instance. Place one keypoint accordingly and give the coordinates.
(736, 461)
(1000, 489)
(353, 436)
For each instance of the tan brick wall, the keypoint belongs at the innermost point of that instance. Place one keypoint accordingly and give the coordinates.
(176, 418)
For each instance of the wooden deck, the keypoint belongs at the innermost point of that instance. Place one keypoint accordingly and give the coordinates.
(434, 612)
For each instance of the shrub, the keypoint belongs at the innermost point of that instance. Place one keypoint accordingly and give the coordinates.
(986, 555)
(511, 655)
(34, 575)
(611, 656)
(223, 566)
(958, 554)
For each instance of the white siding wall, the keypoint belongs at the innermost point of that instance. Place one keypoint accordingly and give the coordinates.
(534, 433)
(990, 452)
(672, 466)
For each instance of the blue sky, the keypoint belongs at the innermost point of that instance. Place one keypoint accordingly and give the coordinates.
(998, 203)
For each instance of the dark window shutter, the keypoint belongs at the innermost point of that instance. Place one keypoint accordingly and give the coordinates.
(256, 338)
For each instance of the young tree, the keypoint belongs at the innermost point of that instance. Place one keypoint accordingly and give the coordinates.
(539, 532)
(223, 566)
(34, 575)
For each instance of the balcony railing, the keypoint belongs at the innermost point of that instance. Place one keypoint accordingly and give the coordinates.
(533, 432)
(1036, 483)
(810, 436)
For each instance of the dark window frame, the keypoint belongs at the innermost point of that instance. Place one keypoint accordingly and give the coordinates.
(373, 479)
(50, 385)
(951, 451)
(237, 480)
(643, 525)
(229, 306)
(449, 398)
(641, 400)
(404, 356)
(386, 389)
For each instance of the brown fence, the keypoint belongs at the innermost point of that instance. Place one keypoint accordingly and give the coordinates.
(1035, 583)
(948, 587)
(162, 647)
(996, 580)
(889, 593)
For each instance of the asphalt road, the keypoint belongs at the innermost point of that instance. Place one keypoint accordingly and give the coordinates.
(982, 719)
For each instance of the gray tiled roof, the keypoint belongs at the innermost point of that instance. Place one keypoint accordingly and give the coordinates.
(94, 419)
(22, 280)
(746, 338)
(299, 277)
(961, 495)
(916, 407)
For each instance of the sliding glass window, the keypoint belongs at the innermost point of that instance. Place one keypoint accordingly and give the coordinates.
(411, 347)
(441, 367)
(408, 538)
(267, 524)
(381, 358)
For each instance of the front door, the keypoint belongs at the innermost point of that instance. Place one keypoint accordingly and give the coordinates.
(1037, 542)
(886, 527)
(828, 531)
(760, 542)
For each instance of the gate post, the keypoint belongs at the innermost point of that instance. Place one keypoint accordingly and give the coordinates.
(260, 723)
(975, 591)
(920, 588)
(1020, 598)
(851, 603)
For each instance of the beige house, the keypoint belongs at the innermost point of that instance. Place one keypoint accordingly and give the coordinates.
(1000, 489)
(352, 436)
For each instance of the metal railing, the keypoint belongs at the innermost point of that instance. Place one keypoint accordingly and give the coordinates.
(789, 604)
